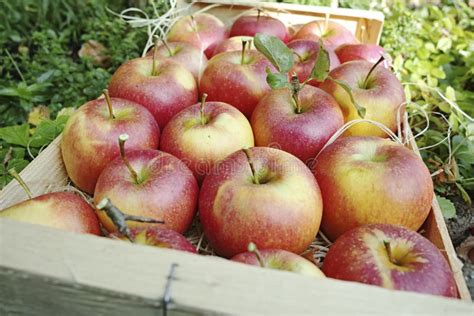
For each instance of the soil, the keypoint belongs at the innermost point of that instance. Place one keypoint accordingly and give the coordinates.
(460, 229)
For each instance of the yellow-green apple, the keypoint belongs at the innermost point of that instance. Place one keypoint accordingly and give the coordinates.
(158, 237)
(162, 86)
(261, 195)
(368, 52)
(391, 257)
(149, 183)
(90, 137)
(237, 78)
(232, 44)
(287, 121)
(331, 33)
(203, 134)
(60, 210)
(183, 53)
(305, 54)
(375, 88)
(203, 31)
(369, 180)
(249, 25)
(279, 260)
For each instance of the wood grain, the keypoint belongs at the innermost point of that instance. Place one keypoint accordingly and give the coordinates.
(46, 173)
(49, 271)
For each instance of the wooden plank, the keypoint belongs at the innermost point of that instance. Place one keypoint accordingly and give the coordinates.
(291, 14)
(46, 271)
(436, 231)
(46, 173)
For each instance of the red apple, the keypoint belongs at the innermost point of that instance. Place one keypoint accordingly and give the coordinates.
(241, 82)
(90, 137)
(331, 33)
(183, 53)
(372, 180)
(250, 25)
(392, 257)
(206, 133)
(164, 89)
(60, 210)
(203, 31)
(378, 91)
(152, 184)
(158, 237)
(261, 195)
(368, 52)
(232, 44)
(280, 260)
(278, 121)
(306, 52)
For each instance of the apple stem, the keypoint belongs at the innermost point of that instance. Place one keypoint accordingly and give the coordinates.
(326, 22)
(201, 108)
(389, 252)
(253, 249)
(381, 59)
(119, 218)
(244, 45)
(295, 89)
(122, 139)
(155, 58)
(252, 168)
(23, 184)
(258, 14)
(109, 104)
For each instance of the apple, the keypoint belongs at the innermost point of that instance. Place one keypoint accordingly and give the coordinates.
(261, 195)
(61, 210)
(89, 137)
(232, 44)
(369, 180)
(237, 78)
(162, 86)
(368, 52)
(249, 25)
(391, 257)
(203, 31)
(183, 53)
(148, 183)
(279, 121)
(375, 88)
(158, 237)
(279, 260)
(305, 53)
(331, 33)
(203, 134)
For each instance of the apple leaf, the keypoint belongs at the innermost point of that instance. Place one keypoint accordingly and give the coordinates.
(321, 67)
(275, 51)
(447, 207)
(360, 109)
(277, 80)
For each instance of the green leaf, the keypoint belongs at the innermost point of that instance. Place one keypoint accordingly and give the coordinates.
(15, 135)
(277, 80)
(47, 131)
(18, 164)
(275, 50)
(321, 67)
(447, 207)
(360, 109)
(444, 44)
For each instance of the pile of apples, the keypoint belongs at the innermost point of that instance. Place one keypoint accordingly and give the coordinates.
(242, 130)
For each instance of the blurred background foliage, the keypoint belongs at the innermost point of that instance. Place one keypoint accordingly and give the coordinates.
(56, 55)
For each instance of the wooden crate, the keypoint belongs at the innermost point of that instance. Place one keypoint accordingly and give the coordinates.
(46, 271)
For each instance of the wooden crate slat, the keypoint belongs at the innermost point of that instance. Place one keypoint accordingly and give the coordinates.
(115, 272)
